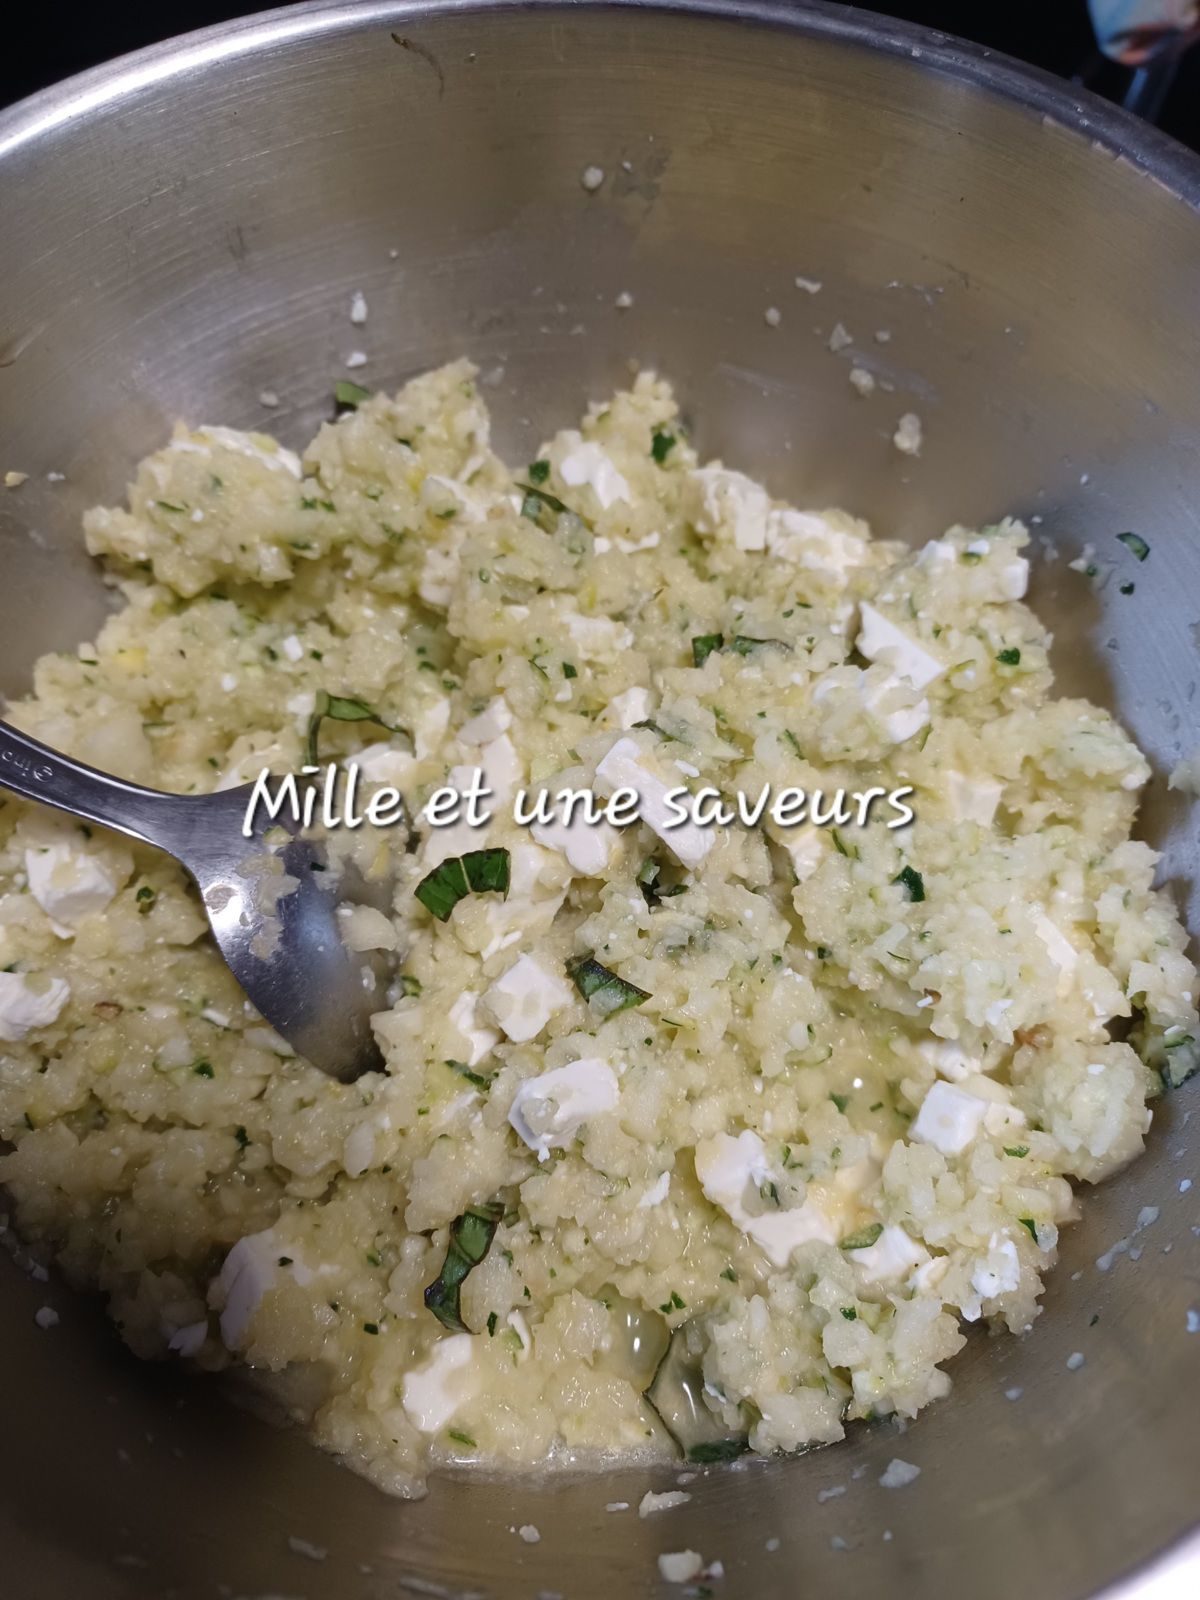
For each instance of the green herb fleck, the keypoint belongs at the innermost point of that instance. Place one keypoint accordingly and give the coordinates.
(864, 1238)
(661, 445)
(1010, 657)
(913, 883)
(349, 396)
(341, 708)
(1135, 543)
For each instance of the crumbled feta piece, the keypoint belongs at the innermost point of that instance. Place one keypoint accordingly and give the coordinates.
(525, 998)
(597, 638)
(814, 543)
(431, 1394)
(948, 1058)
(1063, 954)
(248, 1272)
(972, 799)
(480, 1039)
(548, 1110)
(292, 648)
(729, 502)
(881, 640)
(624, 767)
(680, 1566)
(656, 1193)
(651, 1502)
(899, 1473)
(24, 1009)
(587, 465)
(383, 764)
(495, 719)
(628, 708)
(591, 178)
(69, 881)
(588, 850)
(999, 1271)
(188, 1341)
(893, 1255)
(949, 1118)
(730, 1170)
(47, 1317)
(358, 308)
(529, 1533)
(908, 435)
(201, 440)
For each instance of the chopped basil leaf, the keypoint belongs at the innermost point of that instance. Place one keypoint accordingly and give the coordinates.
(661, 445)
(676, 1395)
(408, 985)
(539, 471)
(341, 708)
(1135, 543)
(1016, 1150)
(1028, 1222)
(491, 1324)
(481, 1080)
(145, 897)
(850, 1314)
(1127, 588)
(349, 396)
(569, 671)
(477, 872)
(370, 1327)
(597, 984)
(462, 1438)
(1009, 658)
(540, 507)
(242, 1137)
(471, 1238)
(703, 646)
(864, 1238)
(913, 882)
(841, 1101)
(203, 1069)
(742, 645)
(166, 505)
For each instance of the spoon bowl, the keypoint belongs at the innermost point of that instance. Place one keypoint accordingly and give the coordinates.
(274, 896)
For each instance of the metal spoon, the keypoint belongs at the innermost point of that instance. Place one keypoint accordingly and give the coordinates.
(284, 948)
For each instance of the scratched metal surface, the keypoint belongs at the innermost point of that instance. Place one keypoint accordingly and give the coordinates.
(186, 230)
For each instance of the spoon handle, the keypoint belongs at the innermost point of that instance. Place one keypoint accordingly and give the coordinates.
(35, 772)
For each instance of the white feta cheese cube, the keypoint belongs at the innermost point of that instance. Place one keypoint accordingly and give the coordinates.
(432, 1393)
(949, 1119)
(729, 504)
(586, 465)
(292, 648)
(656, 1193)
(547, 1111)
(384, 764)
(25, 1008)
(480, 1040)
(812, 542)
(1062, 953)
(628, 708)
(495, 719)
(731, 1170)
(188, 1341)
(999, 1271)
(972, 799)
(596, 638)
(893, 1255)
(526, 997)
(624, 767)
(879, 639)
(68, 880)
(948, 1058)
(588, 850)
(248, 1272)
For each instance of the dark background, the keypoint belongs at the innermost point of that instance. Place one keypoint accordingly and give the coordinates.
(57, 39)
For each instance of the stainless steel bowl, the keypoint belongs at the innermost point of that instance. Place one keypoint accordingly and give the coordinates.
(185, 228)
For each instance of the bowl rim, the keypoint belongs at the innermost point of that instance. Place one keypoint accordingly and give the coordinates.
(51, 111)
(1110, 126)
